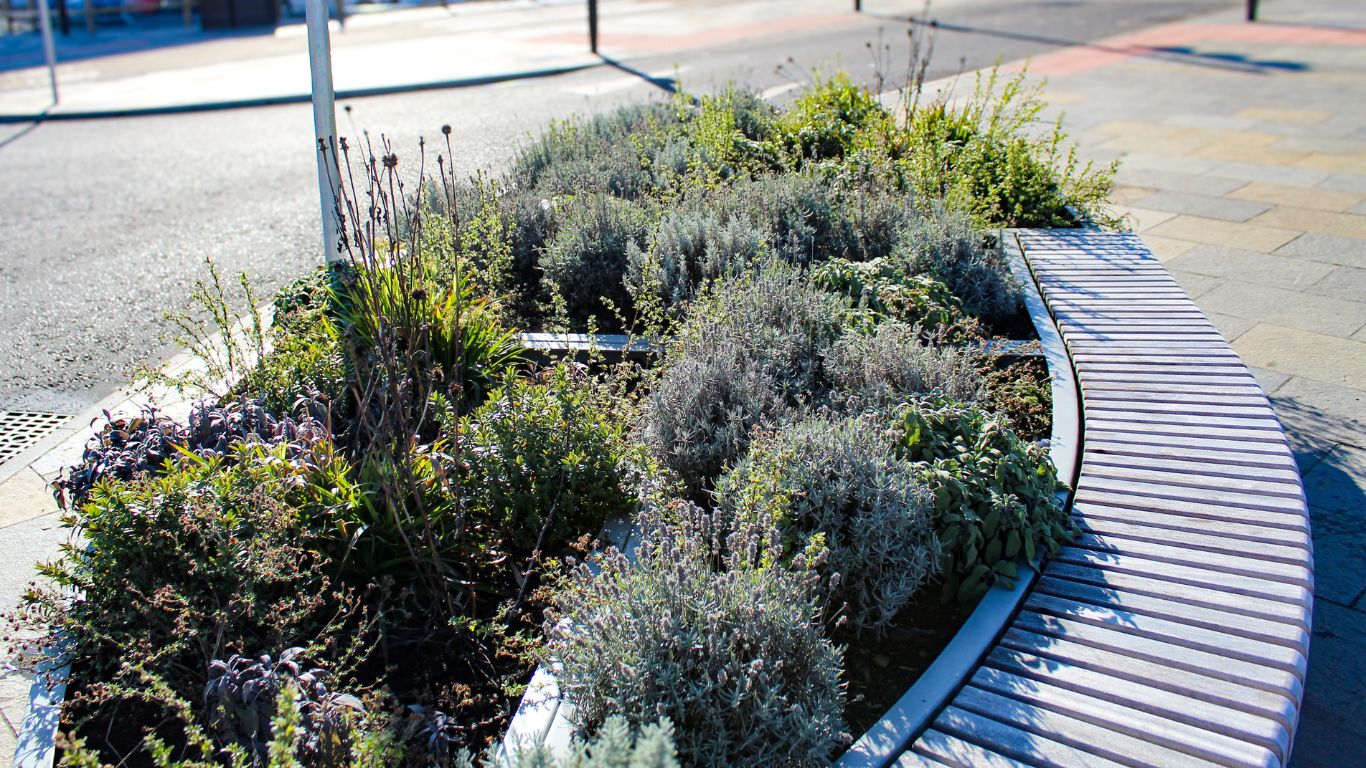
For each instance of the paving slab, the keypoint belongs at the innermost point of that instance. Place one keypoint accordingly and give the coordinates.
(1264, 303)
(1310, 220)
(1275, 174)
(1333, 722)
(1342, 283)
(1249, 236)
(1327, 359)
(1203, 205)
(1331, 411)
(1252, 266)
(1345, 182)
(1330, 249)
(1302, 197)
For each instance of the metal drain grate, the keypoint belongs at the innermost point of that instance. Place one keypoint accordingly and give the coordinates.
(20, 429)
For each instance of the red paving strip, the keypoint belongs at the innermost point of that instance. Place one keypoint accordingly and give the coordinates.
(1157, 41)
(707, 36)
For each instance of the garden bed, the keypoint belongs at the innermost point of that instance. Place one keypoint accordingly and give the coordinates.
(380, 519)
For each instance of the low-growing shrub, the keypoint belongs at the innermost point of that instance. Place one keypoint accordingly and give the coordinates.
(1022, 392)
(127, 448)
(839, 486)
(945, 246)
(994, 494)
(749, 353)
(881, 289)
(892, 364)
(168, 573)
(542, 458)
(244, 697)
(986, 158)
(687, 249)
(734, 657)
(602, 154)
(585, 262)
(833, 119)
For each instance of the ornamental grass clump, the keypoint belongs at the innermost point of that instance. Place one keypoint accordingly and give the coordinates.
(699, 630)
(838, 486)
(994, 494)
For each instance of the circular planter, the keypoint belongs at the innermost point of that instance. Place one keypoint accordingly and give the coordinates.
(544, 717)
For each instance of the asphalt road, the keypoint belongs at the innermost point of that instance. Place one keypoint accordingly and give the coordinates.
(105, 224)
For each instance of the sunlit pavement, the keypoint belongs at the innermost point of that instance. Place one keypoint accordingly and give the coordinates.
(1243, 167)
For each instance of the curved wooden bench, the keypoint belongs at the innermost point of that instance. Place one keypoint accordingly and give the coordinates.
(1175, 629)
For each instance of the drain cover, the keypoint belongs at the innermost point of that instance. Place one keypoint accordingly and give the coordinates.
(20, 429)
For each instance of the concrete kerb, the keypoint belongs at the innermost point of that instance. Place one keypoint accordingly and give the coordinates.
(300, 98)
(911, 715)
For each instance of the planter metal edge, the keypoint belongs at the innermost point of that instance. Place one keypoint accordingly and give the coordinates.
(911, 714)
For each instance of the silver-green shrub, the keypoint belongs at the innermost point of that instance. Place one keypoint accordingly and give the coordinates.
(839, 485)
(615, 745)
(891, 365)
(698, 630)
(944, 244)
(687, 249)
(749, 353)
(586, 257)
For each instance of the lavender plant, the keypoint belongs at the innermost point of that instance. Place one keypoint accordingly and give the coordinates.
(700, 631)
(747, 356)
(839, 486)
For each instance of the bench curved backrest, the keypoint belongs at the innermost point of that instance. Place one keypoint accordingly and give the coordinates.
(1175, 629)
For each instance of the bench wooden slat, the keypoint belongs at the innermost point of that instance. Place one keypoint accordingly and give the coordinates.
(1206, 729)
(1160, 651)
(1263, 654)
(1174, 630)
(1262, 630)
(1097, 516)
(1255, 701)
(1182, 573)
(1207, 595)
(1096, 744)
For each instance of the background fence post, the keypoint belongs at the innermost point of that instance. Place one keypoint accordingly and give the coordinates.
(1251, 10)
(593, 25)
(324, 122)
(49, 48)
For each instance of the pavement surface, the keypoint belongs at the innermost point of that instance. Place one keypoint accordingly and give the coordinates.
(106, 223)
(1243, 154)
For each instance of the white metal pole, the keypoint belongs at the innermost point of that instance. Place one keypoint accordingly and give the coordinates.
(324, 121)
(49, 48)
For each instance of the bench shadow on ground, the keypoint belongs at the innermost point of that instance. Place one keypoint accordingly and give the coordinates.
(1171, 54)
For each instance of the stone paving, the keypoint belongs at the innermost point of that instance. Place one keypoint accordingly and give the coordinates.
(1243, 167)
